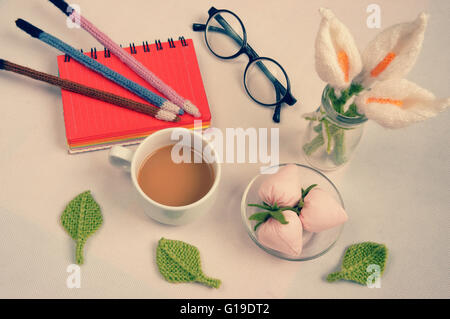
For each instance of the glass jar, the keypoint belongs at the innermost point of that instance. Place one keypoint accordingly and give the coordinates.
(331, 137)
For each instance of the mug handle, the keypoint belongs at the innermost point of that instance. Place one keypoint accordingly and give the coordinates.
(121, 157)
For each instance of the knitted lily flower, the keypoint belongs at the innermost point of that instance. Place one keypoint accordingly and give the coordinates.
(397, 103)
(393, 52)
(370, 85)
(337, 57)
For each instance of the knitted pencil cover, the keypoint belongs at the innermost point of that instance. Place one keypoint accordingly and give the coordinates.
(127, 58)
(99, 68)
(180, 262)
(136, 66)
(90, 92)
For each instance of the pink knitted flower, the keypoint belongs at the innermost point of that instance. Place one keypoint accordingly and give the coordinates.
(286, 238)
(282, 188)
(321, 211)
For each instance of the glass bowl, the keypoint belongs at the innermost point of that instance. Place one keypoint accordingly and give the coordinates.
(314, 244)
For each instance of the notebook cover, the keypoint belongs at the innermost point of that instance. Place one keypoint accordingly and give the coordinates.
(92, 124)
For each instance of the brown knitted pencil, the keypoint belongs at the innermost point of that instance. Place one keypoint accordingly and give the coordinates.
(91, 92)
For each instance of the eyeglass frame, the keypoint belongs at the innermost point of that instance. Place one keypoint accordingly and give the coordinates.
(287, 98)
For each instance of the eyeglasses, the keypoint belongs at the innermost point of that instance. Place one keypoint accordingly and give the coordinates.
(265, 80)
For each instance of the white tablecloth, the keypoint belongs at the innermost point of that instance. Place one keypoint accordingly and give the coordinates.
(396, 188)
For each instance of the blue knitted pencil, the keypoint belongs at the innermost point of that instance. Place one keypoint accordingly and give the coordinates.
(137, 89)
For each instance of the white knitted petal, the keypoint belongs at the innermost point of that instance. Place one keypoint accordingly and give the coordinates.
(333, 38)
(402, 42)
(417, 104)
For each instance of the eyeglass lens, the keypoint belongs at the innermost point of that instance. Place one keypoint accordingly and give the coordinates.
(224, 34)
(263, 79)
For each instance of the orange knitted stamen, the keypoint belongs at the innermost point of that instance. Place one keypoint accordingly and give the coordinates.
(383, 64)
(343, 63)
(384, 101)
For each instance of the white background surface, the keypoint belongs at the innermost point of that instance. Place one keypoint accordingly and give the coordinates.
(396, 188)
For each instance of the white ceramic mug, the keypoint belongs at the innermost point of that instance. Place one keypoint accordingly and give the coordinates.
(132, 161)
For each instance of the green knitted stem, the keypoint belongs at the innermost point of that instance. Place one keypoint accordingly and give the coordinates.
(79, 251)
(329, 135)
(339, 147)
(312, 146)
(334, 276)
(334, 132)
(211, 282)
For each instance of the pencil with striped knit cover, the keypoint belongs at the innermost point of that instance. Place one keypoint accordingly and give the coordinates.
(127, 58)
(133, 87)
(78, 88)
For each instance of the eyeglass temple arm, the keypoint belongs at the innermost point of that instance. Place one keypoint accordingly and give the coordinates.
(198, 27)
(277, 111)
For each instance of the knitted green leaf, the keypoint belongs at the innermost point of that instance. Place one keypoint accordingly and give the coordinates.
(356, 260)
(180, 262)
(81, 218)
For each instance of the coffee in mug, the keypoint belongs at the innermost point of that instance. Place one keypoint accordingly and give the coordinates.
(194, 188)
(175, 184)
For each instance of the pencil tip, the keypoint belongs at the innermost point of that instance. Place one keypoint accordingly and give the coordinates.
(28, 28)
(167, 116)
(169, 106)
(191, 109)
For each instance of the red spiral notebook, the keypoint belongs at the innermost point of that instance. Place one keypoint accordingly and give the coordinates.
(92, 124)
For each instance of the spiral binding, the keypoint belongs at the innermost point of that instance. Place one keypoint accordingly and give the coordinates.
(158, 45)
(146, 46)
(133, 50)
(171, 43)
(183, 41)
(106, 53)
(94, 53)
